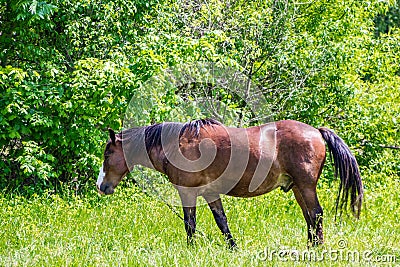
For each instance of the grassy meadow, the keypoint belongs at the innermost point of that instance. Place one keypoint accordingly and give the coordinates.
(131, 228)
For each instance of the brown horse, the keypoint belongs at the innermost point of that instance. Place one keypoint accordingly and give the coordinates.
(205, 158)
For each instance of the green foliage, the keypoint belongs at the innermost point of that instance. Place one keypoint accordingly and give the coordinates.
(386, 21)
(68, 81)
(69, 69)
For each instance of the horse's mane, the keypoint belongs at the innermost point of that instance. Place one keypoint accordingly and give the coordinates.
(153, 132)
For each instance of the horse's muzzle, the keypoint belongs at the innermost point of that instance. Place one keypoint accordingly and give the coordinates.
(106, 188)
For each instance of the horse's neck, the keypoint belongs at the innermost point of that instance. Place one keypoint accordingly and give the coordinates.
(143, 159)
(135, 151)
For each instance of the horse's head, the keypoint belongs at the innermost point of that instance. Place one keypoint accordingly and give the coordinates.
(114, 167)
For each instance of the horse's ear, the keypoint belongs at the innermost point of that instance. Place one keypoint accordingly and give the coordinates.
(112, 135)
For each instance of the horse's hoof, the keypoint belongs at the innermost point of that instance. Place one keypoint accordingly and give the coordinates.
(232, 245)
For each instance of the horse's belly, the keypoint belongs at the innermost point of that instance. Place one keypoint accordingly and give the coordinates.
(242, 189)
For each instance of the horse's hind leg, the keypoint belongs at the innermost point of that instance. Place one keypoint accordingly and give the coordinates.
(312, 211)
(221, 220)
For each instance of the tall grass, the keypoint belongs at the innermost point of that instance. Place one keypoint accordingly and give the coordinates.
(131, 228)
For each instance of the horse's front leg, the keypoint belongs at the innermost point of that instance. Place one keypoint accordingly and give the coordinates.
(189, 217)
(188, 198)
(221, 220)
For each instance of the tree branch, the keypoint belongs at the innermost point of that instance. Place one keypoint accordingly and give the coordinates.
(365, 143)
(388, 146)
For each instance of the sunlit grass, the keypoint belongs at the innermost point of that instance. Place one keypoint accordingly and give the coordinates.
(131, 228)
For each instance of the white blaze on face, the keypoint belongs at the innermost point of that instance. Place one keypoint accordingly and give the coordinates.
(101, 177)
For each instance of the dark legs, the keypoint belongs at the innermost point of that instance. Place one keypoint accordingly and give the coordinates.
(305, 196)
(189, 217)
(220, 219)
(188, 198)
(312, 211)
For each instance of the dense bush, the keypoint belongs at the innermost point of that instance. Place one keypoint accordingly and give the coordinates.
(69, 69)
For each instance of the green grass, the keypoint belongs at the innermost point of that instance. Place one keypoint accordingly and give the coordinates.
(133, 229)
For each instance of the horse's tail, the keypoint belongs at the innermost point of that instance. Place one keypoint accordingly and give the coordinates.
(347, 168)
